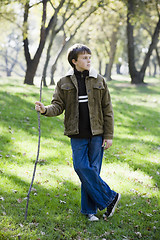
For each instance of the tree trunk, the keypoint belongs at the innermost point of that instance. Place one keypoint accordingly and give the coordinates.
(30, 72)
(54, 66)
(113, 46)
(45, 69)
(131, 57)
(99, 62)
(150, 69)
(158, 57)
(106, 69)
(48, 56)
(8, 73)
(151, 47)
(155, 68)
(137, 77)
(32, 64)
(53, 69)
(118, 68)
(100, 66)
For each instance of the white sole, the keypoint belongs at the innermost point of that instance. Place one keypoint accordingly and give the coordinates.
(93, 219)
(113, 210)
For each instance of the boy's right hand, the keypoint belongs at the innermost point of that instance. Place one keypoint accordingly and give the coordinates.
(39, 107)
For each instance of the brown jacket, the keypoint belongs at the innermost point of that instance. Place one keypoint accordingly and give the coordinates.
(65, 98)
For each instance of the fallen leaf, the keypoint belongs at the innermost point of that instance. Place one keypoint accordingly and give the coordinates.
(148, 228)
(14, 191)
(149, 215)
(57, 195)
(34, 189)
(125, 238)
(154, 228)
(38, 182)
(46, 181)
(139, 235)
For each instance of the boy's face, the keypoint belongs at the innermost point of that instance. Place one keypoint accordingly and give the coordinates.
(83, 62)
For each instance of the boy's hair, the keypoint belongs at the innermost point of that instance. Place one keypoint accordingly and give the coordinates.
(75, 50)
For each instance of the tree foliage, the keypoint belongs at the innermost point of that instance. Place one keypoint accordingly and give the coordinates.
(10, 54)
(49, 26)
(60, 13)
(138, 76)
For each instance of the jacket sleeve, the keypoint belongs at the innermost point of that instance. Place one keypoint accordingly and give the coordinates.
(107, 114)
(57, 104)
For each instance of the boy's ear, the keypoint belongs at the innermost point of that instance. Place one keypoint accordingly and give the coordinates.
(73, 61)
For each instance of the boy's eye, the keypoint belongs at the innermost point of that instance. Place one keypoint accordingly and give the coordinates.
(86, 57)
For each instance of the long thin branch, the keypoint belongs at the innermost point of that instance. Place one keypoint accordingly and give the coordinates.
(72, 13)
(35, 4)
(38, 150)
(25, 33)
(83, 20)
(157, 8)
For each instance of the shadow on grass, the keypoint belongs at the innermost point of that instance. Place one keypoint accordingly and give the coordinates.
(137, 118)
(18, 116)
(55, 212)
(126, 87)
(51, 210)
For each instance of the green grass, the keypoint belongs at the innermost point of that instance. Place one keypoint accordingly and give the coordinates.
(131, 167)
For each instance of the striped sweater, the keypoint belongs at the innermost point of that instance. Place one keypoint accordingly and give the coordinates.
(84, 120)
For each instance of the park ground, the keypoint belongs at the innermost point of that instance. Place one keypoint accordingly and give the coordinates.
(131, 166)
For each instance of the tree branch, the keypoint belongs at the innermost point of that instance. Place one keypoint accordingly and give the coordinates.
(157, 8)
(25, 33)
(34, 171)
(152, 46)
(35, 4)
(72, 13)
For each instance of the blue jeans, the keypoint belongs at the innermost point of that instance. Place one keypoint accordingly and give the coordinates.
(87, 161)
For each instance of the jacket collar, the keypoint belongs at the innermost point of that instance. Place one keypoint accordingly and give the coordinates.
(92, 73)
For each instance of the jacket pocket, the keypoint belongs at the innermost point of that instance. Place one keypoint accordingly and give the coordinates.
(99, 86)
(67, 86)
(69, 94)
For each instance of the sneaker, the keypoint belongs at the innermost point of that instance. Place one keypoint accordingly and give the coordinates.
(92, 218)
(111, 208)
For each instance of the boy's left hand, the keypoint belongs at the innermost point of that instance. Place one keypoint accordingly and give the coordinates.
(107, 143)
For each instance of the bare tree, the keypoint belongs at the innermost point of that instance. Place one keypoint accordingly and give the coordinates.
(55, 23)
(113, 45)
(32, 63)
(137, 77)
(10, 55)
(66, 37)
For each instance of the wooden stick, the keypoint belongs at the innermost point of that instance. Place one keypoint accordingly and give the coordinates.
(38, 150)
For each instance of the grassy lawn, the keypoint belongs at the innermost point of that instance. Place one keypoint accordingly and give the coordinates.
(131, 167)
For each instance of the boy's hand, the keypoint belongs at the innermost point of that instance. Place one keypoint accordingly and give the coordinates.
(39, 107)
(107, 143)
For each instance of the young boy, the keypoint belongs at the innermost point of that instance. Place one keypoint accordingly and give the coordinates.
(84, 96)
